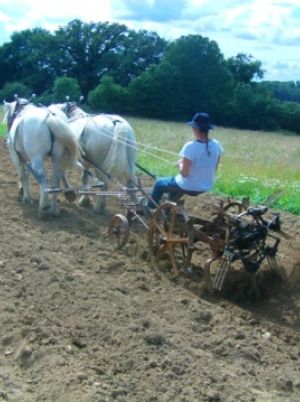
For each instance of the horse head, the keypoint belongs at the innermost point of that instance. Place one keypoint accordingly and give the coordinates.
(7, 108)
(74, 112)
(71, 108)
(13, 109)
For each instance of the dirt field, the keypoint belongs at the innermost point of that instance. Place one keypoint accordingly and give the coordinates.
(82, 322)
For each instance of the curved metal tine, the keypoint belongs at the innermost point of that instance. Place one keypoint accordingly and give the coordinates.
(218, 273)
(273, 197)
(272, 263)
(224, 271)
(221, 274)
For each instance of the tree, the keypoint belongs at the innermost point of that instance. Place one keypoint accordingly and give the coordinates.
(289, 116)
(66, 86)
(27, 59)
(283, 91)
(109, 97)
(84, 51)
(244, 68)
(96, 49)
(201, 65)
(254, 108)
(11, 89)
(158, 93)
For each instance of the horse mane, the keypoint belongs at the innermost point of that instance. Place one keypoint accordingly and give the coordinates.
(74, 112)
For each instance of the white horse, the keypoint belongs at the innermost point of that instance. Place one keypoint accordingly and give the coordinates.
(33, 134)
(107, 144)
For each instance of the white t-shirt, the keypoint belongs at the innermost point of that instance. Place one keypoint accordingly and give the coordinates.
(202, 174)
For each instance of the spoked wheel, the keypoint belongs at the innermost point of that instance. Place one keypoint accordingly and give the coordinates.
(165, 233)
(118, 231)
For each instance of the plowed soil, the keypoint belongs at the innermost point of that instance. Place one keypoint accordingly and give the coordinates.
(81, 322)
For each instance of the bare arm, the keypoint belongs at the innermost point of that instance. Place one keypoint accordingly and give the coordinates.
(184, 166)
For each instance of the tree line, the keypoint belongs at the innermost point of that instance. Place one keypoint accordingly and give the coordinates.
(137, 72)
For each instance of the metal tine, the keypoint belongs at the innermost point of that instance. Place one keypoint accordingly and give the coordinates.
(273, 197)
(273, 263)
(218, 274)
(224, 274)
(221, 274)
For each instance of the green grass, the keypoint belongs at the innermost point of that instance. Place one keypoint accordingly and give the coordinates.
(254, 164)
(3, 129)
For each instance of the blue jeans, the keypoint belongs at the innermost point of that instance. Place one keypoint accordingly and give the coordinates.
(167, 185)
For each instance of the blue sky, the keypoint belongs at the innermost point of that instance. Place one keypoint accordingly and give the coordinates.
(269, 30)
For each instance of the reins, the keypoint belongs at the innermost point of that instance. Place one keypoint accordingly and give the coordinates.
(128, 142)
(140, 147)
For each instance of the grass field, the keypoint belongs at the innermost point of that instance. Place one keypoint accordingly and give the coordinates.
(254, 164)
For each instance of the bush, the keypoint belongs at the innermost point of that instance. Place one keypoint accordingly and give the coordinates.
(66, 86)
(289, 116)
(253, 108)
(11, 89)
(158, 93)
(109, 97)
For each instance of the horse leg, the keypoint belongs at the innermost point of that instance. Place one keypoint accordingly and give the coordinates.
(84, 200)
(132, 181)
(24, 186)
(25, 196)
(131, 185)
(37, 165)
(56, 175)
(70, 195)
(101, 199)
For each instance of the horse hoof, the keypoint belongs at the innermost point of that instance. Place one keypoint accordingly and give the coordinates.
(54, 212)
(44, 211)
(174, 274)
(27, 200)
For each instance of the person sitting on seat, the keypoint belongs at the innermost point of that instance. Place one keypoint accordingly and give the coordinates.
(197, 168)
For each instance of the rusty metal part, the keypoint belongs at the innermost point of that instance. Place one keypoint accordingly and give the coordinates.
(237, 231)
(164, 234)
(118, 231)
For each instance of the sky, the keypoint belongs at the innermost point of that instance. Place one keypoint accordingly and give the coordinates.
(268, 30)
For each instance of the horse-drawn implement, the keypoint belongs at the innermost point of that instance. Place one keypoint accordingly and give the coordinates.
(236, 232)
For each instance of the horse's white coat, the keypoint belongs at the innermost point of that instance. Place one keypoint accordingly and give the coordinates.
(35, 134)
(107, 141)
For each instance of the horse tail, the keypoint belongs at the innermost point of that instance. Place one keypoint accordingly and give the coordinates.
(63, 134)
(116, 161)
